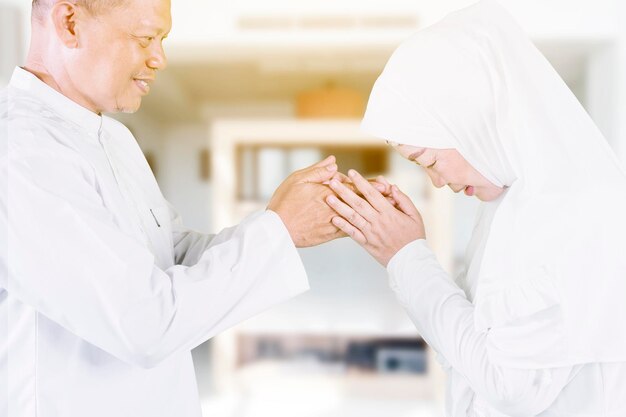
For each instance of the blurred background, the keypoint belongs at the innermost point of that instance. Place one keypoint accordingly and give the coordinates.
(255, 90)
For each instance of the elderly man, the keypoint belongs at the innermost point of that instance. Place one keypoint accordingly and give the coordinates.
(102, 293)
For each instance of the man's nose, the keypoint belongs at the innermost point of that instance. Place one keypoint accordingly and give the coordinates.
(158, 60)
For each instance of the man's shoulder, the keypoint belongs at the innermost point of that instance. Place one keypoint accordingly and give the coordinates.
(30, 129)
(25, 111)
(28, 116)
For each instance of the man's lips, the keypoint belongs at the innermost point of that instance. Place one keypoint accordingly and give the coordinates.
(144, 84)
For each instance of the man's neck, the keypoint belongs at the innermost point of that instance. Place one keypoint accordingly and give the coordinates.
(40, 72)
(38, 69)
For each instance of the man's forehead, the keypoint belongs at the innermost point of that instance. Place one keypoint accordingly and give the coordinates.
(150, 14)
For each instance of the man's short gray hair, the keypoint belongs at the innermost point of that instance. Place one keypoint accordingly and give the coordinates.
(95, 7)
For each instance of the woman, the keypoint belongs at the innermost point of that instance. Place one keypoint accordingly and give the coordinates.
(536, 326)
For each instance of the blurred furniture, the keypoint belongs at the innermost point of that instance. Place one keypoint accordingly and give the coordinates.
(330, 101)
(348, 330)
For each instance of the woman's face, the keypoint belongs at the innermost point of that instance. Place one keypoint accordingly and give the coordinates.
(448, 167)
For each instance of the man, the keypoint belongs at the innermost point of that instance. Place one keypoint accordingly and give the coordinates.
(102, 293)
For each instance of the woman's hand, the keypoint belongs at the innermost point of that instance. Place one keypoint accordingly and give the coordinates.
(380, 183)
(372, 220)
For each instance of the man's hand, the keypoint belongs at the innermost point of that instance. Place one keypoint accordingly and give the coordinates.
(300, 201)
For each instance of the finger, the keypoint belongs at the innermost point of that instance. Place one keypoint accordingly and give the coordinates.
(352, 188)
(337, 233)
(378, 186)
(404, 202)
(373, 196)
(345, 180)
(350, 230)
(354, 201)
(330, 159)
(347, 213)
(382, 180)
(317, 174)
(392, 201)
(339, 176)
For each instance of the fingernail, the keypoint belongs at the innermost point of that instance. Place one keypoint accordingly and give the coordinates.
(332, 199)
(352, 173)
(334, 183)
(332, 167)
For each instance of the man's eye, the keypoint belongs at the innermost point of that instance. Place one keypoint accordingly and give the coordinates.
(146, 41)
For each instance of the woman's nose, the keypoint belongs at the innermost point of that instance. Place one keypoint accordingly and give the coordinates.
(437, 180)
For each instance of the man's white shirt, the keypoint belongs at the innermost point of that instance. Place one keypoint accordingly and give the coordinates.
(103, 293)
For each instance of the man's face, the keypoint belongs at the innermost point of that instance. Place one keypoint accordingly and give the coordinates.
(118, 55)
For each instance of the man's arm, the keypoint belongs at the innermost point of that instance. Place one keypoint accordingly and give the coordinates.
(68, 259)
(189, 245)
(299, 201)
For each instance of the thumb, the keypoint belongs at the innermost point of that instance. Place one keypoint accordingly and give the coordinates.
(318, 174)
(404, 202)
(330, 159)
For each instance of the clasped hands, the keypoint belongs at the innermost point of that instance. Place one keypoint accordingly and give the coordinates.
(319, 204)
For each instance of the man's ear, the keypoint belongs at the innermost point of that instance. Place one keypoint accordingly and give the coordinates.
(63, 17)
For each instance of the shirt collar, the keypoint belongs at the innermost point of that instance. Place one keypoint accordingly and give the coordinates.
(62, 105)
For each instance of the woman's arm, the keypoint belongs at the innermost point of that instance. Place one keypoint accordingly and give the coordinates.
(445, 319)
(436, 305)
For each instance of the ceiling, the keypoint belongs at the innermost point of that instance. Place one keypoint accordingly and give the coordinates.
(274, 75)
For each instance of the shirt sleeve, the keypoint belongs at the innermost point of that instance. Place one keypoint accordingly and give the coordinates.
(189, 245)
(68, 259)
(444, 317)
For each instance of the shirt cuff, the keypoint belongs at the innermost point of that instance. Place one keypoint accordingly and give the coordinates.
(414, 261)
(298, 282)
(417, 249)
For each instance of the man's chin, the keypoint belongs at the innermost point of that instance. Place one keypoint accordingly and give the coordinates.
(128, 109)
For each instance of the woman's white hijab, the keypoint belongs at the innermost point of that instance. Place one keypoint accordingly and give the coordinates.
(552, 283)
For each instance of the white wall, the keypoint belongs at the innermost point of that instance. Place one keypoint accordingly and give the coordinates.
(179, 175)
(12, 39)
(212, 20)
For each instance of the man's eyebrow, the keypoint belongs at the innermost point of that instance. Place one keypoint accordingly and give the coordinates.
(158, 29)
